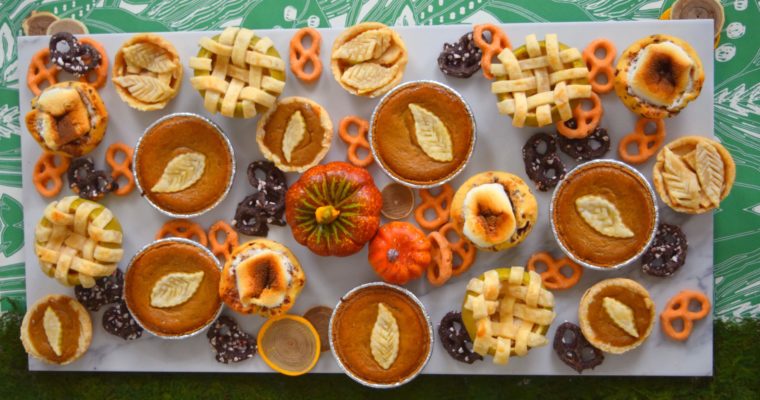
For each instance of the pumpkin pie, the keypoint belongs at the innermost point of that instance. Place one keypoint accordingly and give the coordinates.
(171, 288)
(261, 277)
(604, 214)
(494, 210)
(381, 335)
(295, 134)
(507, 312)
(616, 315)
(184, 165)
(693, 174)
(422, 133)
(56, 329)
(657, 76)
(146, 72)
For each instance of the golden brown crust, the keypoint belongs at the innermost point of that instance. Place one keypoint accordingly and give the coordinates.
(681, 147)
(325, 122)
(524, 204)
(85, 329)
(652, 82)
(228, 290)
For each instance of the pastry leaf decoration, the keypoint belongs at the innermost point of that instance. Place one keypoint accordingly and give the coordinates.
(384, 339)
(181, 173)
(175, 288)
(366, 77)
(53, 330)
(710, 172)
(144, 88)
(603, 216)
(431, 134)
(294, 134)
(365, 46)
(621, 315)
(148, 56)
(680, 182)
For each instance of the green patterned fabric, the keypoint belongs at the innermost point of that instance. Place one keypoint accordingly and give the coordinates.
(737, 88)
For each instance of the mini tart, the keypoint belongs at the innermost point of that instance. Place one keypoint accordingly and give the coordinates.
(426, 157)
(171, 288)
(494, 210)
(289, 344)
(147, 73)
(375, 62)
(693, 174)
(295, 134)
(77, 241)
(507, 311)
(658, 76)
(56, 329)
(622, 188)
(170, 141)
(596, 318)
(68, 118)
(404, 323)
(237, 73)
(261, 277)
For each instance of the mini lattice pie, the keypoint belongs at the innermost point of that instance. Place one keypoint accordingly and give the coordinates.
(56, 329)
(77, 241)
(238, 73)
(507, 311)
(536, 83)
(368, 59)
(693, 174)
(146, 72)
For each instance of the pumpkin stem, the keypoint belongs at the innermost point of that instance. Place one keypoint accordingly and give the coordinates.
(326, 214)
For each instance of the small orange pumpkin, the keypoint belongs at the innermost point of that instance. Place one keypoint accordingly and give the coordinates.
(400, 252)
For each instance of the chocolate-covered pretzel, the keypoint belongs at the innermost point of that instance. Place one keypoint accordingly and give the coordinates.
(591, 147)
(266, 205)
(88, 183)
(107, 290)
(72, 56)
(667, 253)
(544, 167)
(229, 342)
(119, 322)
(574, 349)
(456, 340)
(460, 59)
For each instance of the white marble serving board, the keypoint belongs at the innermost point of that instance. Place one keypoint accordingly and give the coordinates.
(498, 148)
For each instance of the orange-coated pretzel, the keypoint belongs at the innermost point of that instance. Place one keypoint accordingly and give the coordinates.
(678, 308)
(600, 66)
(499, 42)
(183, 228)
(585, 120)
(553, 277)
(300, 55)
(42, 70)
(439, 271)
(440, 204)
(356, 141)
(465, 250)
(647, 144)
(46, 170)
(121, 169)
(223, 249)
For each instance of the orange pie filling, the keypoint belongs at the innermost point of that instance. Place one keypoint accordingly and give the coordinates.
(312, 143)
(70, 329)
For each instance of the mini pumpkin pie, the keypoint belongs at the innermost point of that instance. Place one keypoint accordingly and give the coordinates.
(657, 76)
(494, 210)
(381, 335)
(616, 315)
(693, 174)
(295, 134)
(56, 329)
(146, 72)
(422, 133)
(171, 288)
(68, 118)
(537, 83)
(237, 73)
(603, 214)
(261, 277)
(78, 240)
(507, 312)
(368, 59)
(184, 165)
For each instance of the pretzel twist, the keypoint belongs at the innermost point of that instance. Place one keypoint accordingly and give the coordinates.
(300, 56)
(647, 144)
(440, 204)
(222, 249)
(356, 141)
(41, 70)
(461, 247)
(46, 170)
(183, 228)
(585, 120)
(553, 277)
(440, 270)
(121, 169)
(499, 42)
(603, 66)
(678, 308)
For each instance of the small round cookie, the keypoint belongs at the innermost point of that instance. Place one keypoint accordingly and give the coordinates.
(295, 134)
(368, 59)
(68, 118)
(56, 329)
(37, 23)
(658, 76)
(494, 210)
(693, 174)
(261, 277)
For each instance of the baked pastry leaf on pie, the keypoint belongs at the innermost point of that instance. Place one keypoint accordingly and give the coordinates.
(56, 329)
